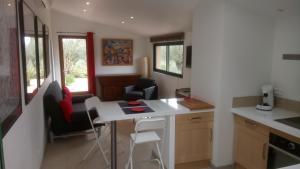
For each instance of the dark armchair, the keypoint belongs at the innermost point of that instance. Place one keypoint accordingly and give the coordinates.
(56, 123)
(144, 89)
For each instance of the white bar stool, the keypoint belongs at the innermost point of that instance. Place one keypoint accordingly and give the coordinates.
(91, 104)
(145, 132)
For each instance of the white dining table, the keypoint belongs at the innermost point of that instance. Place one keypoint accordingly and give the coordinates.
(112, 112)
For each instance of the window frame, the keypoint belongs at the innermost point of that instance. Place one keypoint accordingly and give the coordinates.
(168, 44)
(61, 59)
(23, 35)
(42, 53)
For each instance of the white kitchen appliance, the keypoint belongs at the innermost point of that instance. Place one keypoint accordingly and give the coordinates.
(268, 98)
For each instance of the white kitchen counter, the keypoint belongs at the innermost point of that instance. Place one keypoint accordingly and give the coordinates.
(162, 107)
(169, 108)
(173, 102)
(292, 167)
(268, 118)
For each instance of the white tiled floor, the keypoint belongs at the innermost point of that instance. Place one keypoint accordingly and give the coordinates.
(68, 153)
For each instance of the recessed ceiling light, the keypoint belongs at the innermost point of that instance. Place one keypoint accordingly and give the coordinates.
(123, 22)
(132, 17)
(87, 3)
(280, 10)
(84, 10)
(9, 4)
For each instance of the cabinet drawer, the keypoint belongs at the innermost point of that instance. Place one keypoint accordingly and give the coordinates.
(194, 118)
(252, 125)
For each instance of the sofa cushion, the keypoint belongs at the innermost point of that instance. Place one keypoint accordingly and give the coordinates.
(66, 106)
(52, 97)
(54, 113)
(80, 118)
(55, 91)
(79, 112)
(143, 83)
(66, 92)
(134, 95)
(81, 98)
(79, 107)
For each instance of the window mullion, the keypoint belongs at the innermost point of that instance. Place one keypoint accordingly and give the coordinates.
(167, 58)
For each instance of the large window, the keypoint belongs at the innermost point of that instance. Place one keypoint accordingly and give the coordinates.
(41, 54)
(73, 57)
(168, 58)
(10, 82)
(33, 51)
(28, 29)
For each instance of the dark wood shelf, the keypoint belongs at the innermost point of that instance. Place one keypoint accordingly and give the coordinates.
(112, 85)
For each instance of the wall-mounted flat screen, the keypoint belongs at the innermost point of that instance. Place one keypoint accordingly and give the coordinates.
(188, 57)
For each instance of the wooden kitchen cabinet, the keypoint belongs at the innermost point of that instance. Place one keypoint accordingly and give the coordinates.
(193, 137)
(251, 144)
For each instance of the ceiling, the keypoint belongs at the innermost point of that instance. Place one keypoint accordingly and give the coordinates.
(151, 17)
(155, 17)
(275, 8)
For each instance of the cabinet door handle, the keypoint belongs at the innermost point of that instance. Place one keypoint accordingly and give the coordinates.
(264, 151)
(196, 118)
(250, 123)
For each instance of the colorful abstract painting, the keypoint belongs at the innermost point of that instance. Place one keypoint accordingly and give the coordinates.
(117, 52)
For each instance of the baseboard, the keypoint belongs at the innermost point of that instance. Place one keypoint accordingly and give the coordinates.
(231, 166)
(72, 134)
(203, 164)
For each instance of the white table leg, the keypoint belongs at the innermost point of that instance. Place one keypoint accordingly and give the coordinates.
(168, 146)
(171, 132)
(113, 131)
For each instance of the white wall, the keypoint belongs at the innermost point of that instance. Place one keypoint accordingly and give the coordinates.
(248, 38)
(208, 38)
(66, 23)
(24, 144)
(286, 73)
(168, 84)
(234, 49)
(208, 27)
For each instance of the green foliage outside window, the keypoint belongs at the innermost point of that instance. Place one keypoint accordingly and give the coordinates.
(169, 58)
(74, 59)
(30, 59)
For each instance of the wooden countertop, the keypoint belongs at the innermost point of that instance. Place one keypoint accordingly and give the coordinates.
(194, 104)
